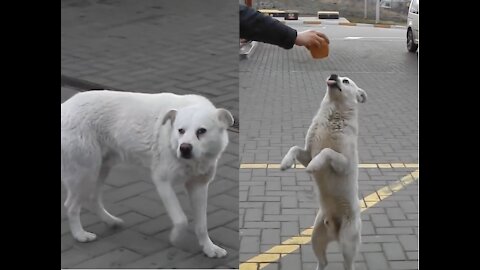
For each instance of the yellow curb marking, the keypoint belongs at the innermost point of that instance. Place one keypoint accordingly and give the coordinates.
(274, 166)
(253, 166)
(292, 244)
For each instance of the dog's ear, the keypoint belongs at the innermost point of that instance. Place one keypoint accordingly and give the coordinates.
(225, 117)
(361, 96)
(169, 116)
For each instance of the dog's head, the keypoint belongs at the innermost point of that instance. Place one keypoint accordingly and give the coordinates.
(198, 132)
(344, 90)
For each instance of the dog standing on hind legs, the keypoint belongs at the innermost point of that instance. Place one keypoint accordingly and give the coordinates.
(331, 157)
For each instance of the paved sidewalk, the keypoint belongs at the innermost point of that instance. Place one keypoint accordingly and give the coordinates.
(151, 46)
(280, 91)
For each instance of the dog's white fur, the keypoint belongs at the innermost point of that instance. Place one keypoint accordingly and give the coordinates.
(331, 157)
(102, 128)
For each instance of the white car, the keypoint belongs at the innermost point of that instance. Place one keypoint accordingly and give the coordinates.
(412, 26)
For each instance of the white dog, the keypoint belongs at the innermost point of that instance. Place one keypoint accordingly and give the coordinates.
(178, 138)
(331, 156)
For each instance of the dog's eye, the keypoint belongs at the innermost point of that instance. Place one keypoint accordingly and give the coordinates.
(201, 131)
(345, 81)
(181, 131)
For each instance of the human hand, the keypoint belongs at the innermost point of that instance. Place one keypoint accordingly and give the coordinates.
(310, 38)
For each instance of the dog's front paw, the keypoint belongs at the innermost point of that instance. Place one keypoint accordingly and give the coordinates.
(287, 163)
(84, 237)
(177, 232)
(214, 251)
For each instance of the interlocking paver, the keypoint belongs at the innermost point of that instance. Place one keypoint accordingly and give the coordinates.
(393, 251)
(112, 259)
(162, 259)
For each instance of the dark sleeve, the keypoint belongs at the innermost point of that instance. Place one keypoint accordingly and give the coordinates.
(259, 27)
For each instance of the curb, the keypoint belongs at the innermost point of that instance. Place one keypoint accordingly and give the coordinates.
(312, 22)
(347, 24)
(83, 85)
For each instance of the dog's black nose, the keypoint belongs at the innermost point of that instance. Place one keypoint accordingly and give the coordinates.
(333, 77)
(186, 150)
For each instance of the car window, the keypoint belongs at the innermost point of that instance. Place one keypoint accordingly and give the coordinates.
(414, 6)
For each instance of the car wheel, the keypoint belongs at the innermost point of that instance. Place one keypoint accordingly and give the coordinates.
(411, 46)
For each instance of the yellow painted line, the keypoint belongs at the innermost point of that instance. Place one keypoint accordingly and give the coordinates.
(299, 240)
(292, 244)
(361, 166)
(283, 249)
(363, 204)
(253, 166)
(250, 266)
(368, 166)
(308, 232)
(372, 197)
(274, 166)
(411, 165)
(398, 165)
(265, 257)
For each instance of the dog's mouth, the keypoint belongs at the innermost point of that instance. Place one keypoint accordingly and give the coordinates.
(332, 82)
(186, 156)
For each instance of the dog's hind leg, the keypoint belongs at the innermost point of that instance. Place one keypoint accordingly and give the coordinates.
(98, 206)
(295, 153)
(350, 238)
(77, 197)
(80, 159)
(328, 157)
(320, 240)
